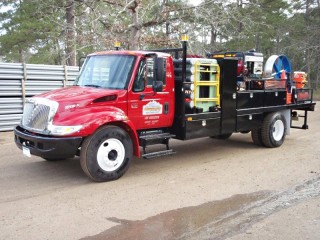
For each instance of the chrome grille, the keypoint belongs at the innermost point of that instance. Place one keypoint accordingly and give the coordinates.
(35, 115)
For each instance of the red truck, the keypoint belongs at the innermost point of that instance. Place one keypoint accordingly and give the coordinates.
(124, 101)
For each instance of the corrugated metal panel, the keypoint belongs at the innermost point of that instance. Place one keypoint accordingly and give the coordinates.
(11, 71)
(34, 87)
(11, 105)
(18, 81)
(72, 75)
(8, 121)
(10, 87)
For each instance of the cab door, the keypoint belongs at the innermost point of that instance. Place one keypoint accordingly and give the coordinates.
(148, 109)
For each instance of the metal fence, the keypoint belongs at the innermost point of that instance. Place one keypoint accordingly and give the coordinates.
(20, 81)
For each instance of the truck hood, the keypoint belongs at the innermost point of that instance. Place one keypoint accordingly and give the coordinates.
(76, 94)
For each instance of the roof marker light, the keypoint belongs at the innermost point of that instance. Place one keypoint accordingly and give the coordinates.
(184, 38)
(117, 45)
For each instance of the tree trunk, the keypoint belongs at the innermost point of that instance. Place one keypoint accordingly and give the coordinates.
(59, 59)
(317, 68)
(317, 63)
(134, 34)
(277, 44)
(167, 29)
(308, 50)
(134, 28)
(240, 6)
(70, 34)
(213, 39)
(21, 56)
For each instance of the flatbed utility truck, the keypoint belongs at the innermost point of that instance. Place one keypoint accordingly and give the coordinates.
(124, 101)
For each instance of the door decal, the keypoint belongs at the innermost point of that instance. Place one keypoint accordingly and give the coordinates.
(151, 108)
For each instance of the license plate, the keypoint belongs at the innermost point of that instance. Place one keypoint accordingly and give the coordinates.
(26, 151)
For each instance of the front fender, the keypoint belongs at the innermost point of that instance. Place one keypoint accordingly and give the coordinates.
(93, 118)
(125, 124)
(131, 129)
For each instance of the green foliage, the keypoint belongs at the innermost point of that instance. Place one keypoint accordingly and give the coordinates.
(35, 31)
(26, 30)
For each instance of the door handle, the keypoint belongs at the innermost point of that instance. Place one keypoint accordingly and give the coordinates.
(166, 108)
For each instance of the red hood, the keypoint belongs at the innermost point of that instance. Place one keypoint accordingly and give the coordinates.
(79, 105)
(79, 95)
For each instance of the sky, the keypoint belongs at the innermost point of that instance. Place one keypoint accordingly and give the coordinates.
(195, 2)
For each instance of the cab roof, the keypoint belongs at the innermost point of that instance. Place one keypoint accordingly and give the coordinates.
(127, 52)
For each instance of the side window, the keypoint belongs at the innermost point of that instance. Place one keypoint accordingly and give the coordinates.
(146, 74)
(139, 81)
(161, 70)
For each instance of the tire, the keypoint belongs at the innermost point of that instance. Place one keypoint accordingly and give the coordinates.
(222, 136)
(273, 131)
(256, 137)
(106, 155)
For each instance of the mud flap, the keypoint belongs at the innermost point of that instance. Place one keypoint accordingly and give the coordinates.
(287, 115)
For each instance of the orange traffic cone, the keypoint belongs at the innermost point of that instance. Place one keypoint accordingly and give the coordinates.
(283, 75)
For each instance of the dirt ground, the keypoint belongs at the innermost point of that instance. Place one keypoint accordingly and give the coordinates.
(210, 189)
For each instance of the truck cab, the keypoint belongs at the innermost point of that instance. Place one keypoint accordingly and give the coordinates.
(128, 92)
(135, 83)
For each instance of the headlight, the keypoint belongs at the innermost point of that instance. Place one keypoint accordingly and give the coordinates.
(63, 130)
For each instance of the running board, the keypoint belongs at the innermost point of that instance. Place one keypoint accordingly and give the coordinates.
(158, 154)
(156, 137)
(153, 139)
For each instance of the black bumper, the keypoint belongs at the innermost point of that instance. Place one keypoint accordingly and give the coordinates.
(47, 147)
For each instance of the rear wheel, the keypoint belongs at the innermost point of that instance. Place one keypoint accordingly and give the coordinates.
(107, 154)
(256, 137)
(273, 131)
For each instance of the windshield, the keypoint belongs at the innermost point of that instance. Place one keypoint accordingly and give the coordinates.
(106, 71)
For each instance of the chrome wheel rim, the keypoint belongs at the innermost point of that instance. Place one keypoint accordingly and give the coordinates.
(278, 130)
(110, 155)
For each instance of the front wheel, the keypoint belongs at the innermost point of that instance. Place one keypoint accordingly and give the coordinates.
(273, 131)
(107, 154)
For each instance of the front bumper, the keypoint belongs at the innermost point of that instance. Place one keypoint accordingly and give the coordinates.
(47, 147)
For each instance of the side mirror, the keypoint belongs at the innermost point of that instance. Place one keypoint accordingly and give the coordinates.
(160, 69)
(157, 86)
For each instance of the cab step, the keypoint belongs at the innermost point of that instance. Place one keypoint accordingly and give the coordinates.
(158, 154)
(156, 138)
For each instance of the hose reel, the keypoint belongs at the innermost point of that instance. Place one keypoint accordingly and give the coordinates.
(275, 65)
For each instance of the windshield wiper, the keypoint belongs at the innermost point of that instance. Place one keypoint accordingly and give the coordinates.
(92, 85)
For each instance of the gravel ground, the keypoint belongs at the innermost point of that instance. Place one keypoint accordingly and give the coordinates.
(210, 189)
